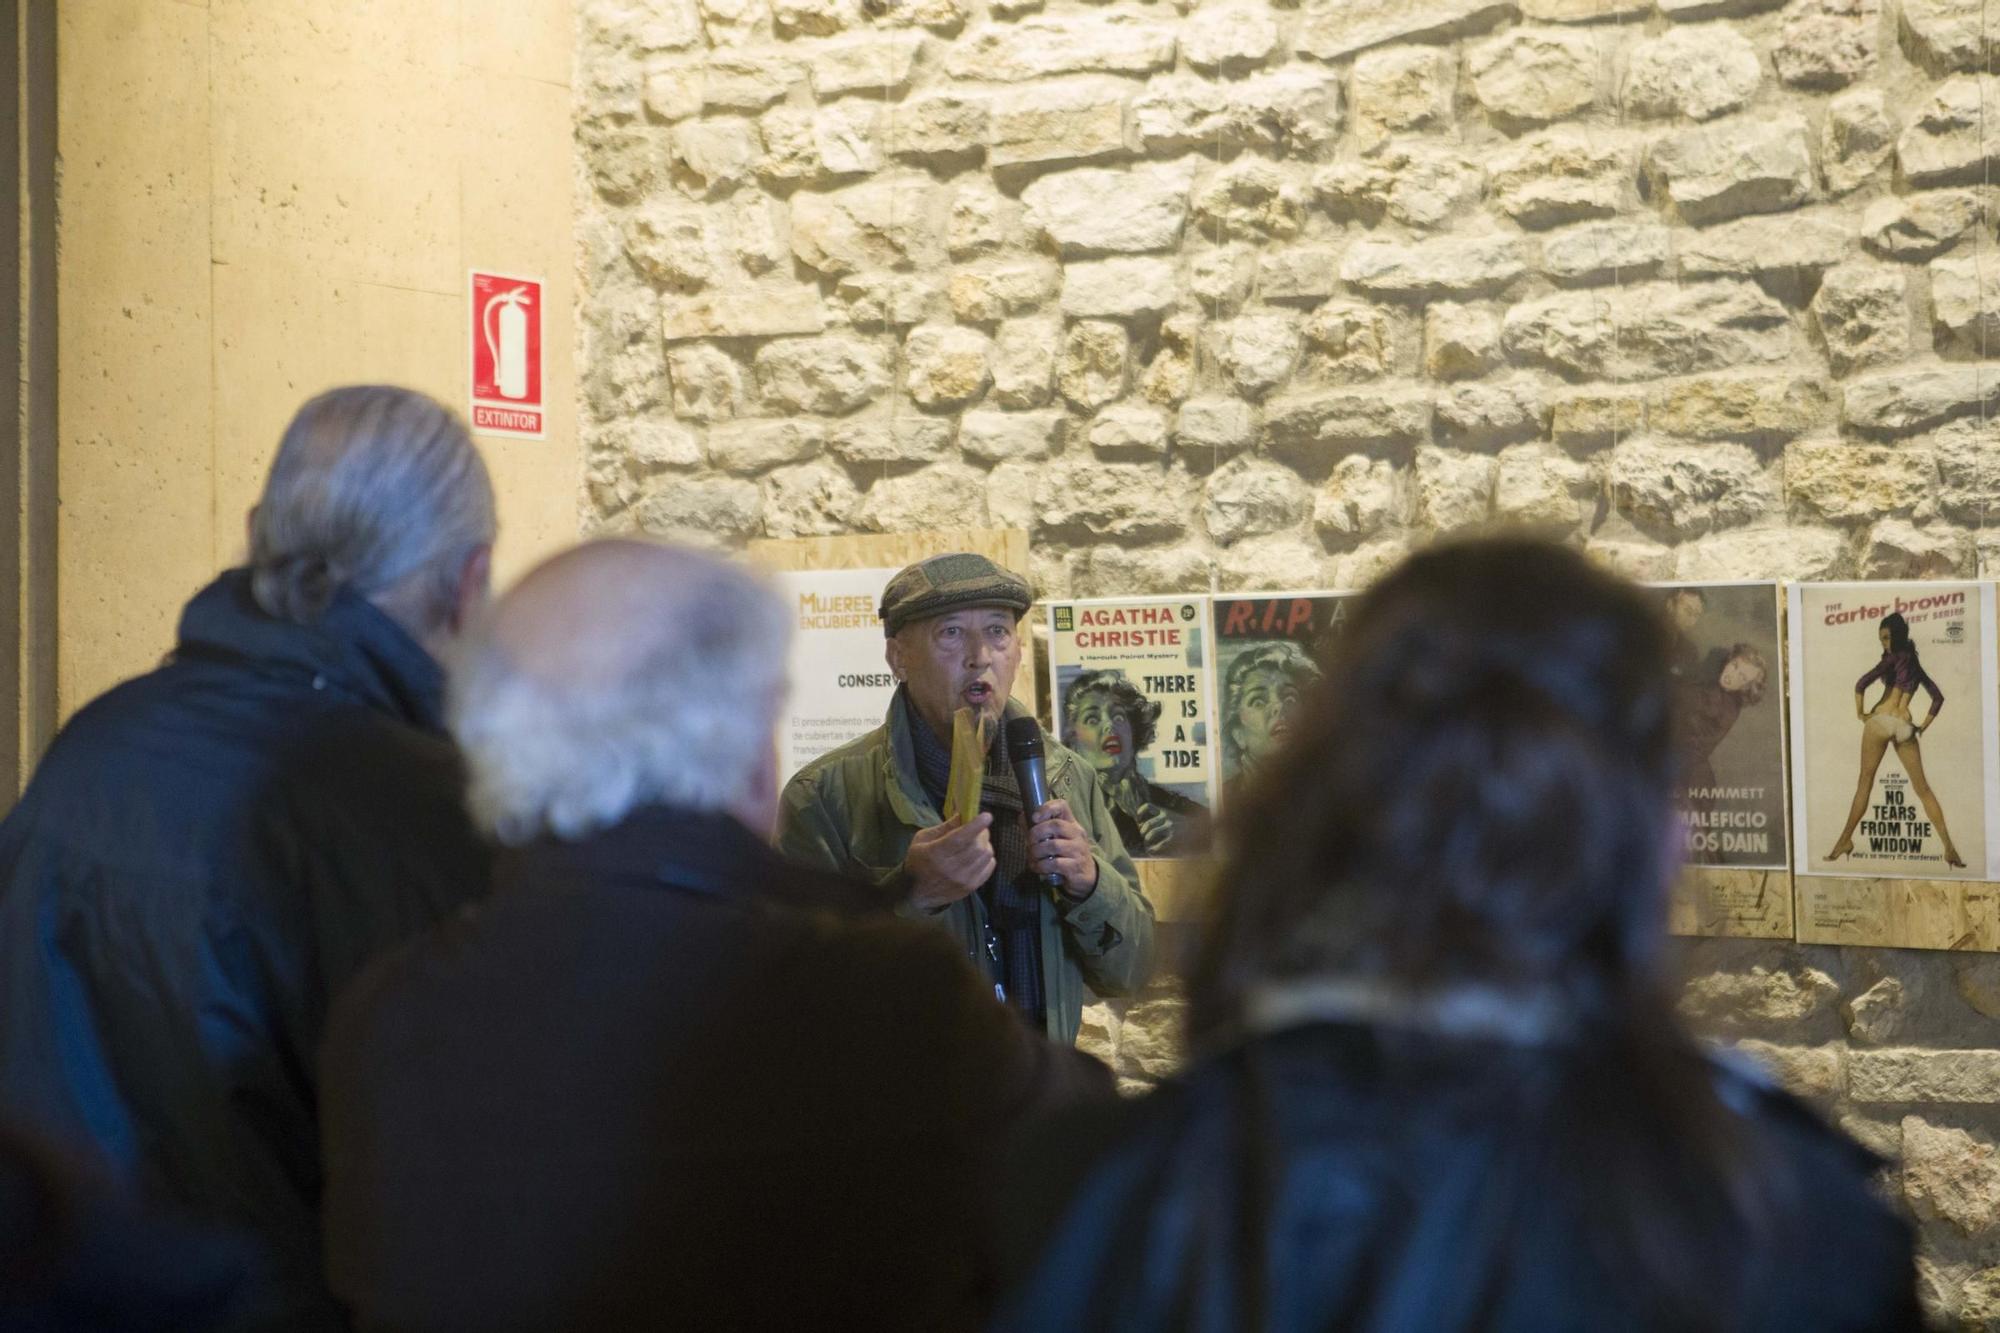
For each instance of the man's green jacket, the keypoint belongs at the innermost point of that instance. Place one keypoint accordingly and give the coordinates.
(854, 811)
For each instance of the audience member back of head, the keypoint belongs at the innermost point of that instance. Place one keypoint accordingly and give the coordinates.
(652, 1082)
(209, 851)
(1439, 1081)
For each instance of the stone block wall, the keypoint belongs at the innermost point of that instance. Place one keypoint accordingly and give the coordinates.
(1241, 294)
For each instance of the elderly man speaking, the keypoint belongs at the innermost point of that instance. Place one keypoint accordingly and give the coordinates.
(870, 809)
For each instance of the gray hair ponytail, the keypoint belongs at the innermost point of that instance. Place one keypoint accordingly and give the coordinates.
(377, 489)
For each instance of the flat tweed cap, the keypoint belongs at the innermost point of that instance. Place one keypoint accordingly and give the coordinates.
(951, 583)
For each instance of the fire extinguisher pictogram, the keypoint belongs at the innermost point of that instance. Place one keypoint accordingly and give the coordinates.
(505, 342)
(509, 349)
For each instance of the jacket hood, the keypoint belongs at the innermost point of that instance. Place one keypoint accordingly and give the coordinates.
(353, 649)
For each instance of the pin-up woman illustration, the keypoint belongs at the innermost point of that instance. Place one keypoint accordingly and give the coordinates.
(1889, 723)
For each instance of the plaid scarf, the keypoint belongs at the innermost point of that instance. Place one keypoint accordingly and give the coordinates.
(1013, 896)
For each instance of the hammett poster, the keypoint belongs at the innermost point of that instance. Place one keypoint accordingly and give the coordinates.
(1892, 722)
(1267, 653)
(1728, 715)
(1132, 698)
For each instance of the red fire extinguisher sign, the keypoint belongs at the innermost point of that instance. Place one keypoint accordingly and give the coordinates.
(507, 356)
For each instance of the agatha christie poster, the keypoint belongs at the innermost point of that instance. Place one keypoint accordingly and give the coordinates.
(1132, 699)
(1729, 722)
(1895, 752)
(1268, 650)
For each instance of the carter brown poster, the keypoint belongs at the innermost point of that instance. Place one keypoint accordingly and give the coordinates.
(1895, 751)
(1729, 722)
(1132, 699)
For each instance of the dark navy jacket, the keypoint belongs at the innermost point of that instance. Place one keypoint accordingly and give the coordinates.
(205, 855)
(76, 1260)
(1336, 1178)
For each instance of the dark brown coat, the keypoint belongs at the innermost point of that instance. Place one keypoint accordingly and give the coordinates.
(641, 1088)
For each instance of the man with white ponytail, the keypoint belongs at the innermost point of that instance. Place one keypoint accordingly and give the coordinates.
(662, 1079)
(209, 851)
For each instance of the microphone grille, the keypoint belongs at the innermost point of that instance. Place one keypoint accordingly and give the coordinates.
(1024, 738)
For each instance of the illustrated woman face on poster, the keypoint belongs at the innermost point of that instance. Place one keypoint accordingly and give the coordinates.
(1261, 701)
(1744, 674)
(1109, 723)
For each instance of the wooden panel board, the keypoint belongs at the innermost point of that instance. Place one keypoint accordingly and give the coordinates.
(1744, 904)
(1896, 913)
(1179, 890)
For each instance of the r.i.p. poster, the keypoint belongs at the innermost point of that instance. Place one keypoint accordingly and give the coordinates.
(1268, 650)
(1131, 698)
(1896, 764)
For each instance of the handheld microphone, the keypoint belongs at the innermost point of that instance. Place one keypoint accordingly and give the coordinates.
(1024, 754)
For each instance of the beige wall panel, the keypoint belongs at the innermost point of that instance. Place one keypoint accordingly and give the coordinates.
(423, 33)
(345, 161)
(530, 38)
(284, 332)
(536, 489)
(516, 174)
(134, 459)
(263, 198)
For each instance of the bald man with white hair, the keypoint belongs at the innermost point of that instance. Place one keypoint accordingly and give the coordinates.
(662, 1078)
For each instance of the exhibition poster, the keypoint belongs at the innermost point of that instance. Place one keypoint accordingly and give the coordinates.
(1725, 664)
(1896, 755)
(841, 684)
(1131, 690)
(1268, 650)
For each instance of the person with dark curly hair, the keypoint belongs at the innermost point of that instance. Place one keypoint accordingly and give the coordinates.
(1108, 722)
(1439, 1082)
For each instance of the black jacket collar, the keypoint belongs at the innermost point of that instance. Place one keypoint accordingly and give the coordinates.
(704, 852)
(352, 648)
